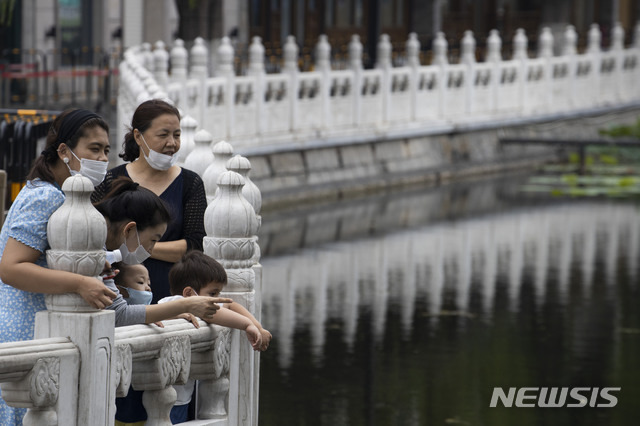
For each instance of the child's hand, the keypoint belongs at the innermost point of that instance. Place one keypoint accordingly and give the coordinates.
(159, 324)
(191, 318)
(266, 338)
(254, 336)
(106, 269)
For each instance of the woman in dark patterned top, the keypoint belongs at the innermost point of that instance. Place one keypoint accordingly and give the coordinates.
(151, 150)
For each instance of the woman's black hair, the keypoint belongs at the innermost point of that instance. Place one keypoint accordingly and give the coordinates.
(128, 201)
(59, 130)
(142, 118)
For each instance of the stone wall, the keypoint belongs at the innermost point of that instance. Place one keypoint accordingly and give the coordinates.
(340, 169)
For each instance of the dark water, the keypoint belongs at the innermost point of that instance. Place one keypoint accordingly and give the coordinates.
(409, 309)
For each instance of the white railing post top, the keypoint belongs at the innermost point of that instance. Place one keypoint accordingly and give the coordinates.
(160, 55)
(494, 45)
(230, 215)
(291, 54)
(199, 47)
(231, 224)
(595, 39)
(520, 42)
(222, 151)
(618, 37)
(323, 53)
(199, 54)
(203, 137)
(250, 191)
(76, 232)
(147, 56)
(440, 46)
(188, 125)
(179, 58)
(161, 94)
(178, 50)
(468, 48)
(570, 41)
(355, 52)
(545, 43)
(256, 56)
(384, 52)
(77, 225)
(412, 46)
(225, 57)
(161, 64)
(223, 148)
(201, 155)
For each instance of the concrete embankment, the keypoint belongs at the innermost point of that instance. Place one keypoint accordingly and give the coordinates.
(329, 169)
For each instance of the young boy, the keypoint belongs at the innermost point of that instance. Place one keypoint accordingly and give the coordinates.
(134, 284)
(200, 275)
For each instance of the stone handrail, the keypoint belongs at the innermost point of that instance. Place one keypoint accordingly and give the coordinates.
(39, 374)
(260, 111)
(152, 359)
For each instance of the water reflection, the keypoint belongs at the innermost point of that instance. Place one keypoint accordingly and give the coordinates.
(418, 325)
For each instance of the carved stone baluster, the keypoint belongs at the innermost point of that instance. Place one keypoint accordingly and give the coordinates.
(250, 191)
(77, 233)
(212, 369)
(161, 64)
(179, 58)
(199, 54)
(157, 376)
(440, 47)
(231, 225)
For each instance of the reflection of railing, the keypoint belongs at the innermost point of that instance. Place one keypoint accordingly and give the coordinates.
(78, 362)
(292, 106)
(443, 266)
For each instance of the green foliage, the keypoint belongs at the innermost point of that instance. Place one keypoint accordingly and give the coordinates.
(609, 171)
(623, 131)
(608, 159)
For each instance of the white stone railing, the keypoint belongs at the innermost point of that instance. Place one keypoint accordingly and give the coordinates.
(260, 110)
(78, 362)
(152, 359)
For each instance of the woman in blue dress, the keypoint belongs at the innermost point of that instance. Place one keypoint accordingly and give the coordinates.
(77, 142)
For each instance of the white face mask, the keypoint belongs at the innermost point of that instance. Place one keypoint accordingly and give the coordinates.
(138, 297)
(93, 170)
(158, 160)
(133, 258)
